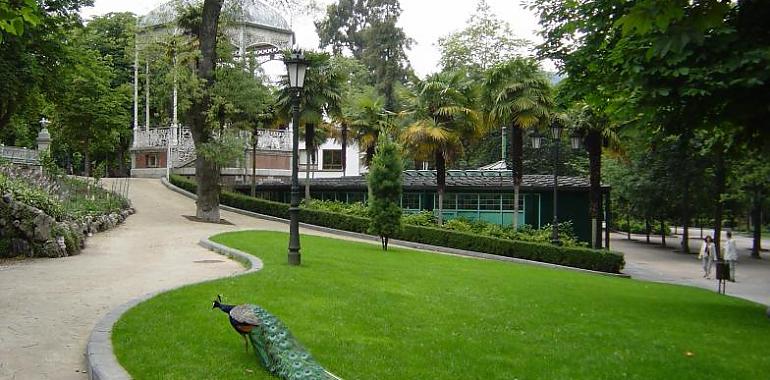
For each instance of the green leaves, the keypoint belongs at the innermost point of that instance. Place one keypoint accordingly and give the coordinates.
(14, 17)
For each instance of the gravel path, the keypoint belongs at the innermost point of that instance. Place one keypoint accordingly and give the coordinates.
(48, 307)
(653, 262)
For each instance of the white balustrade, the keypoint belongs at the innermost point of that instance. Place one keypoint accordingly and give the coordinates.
(183, 147)
(19, 155)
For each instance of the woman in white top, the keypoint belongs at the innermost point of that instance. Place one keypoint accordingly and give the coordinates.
(707, 255)
(731, 254)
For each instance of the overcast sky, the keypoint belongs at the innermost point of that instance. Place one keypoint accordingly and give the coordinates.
(423, 20)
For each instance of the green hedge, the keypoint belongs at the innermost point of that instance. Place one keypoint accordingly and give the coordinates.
(598, 260)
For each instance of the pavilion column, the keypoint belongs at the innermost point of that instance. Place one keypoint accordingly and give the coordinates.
(174, 124)
(136, 93)
(175, 117)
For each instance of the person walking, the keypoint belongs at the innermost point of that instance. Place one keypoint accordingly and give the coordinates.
(731, 254)
(707, 255)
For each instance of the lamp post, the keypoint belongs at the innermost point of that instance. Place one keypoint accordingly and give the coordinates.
(536, 139)
(296, 65)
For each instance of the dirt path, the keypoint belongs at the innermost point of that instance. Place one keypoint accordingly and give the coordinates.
(49, 306)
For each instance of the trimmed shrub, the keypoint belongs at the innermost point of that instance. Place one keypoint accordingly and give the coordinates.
(598, 260)
(592, 259)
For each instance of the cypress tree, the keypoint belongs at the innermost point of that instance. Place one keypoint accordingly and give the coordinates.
(385, 187)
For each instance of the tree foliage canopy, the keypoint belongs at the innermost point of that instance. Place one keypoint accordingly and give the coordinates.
(484, 42)
(367, 30)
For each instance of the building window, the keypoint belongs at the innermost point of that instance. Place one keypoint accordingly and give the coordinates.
(152, 160)
(450, 201)
(468, 202)
(410, 201)
(332, 159)
(489, 201)
(356, 197)
(508, 202)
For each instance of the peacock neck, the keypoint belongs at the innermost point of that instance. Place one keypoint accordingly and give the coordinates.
(225, 308)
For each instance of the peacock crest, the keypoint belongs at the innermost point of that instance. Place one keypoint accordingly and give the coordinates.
(277, 349)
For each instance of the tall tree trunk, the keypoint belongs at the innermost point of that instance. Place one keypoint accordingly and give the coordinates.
(663, 232)
(684, 156)
(686, 216)
(308, 165)
(371, 149)
(756, 214)
(628, 224)
(254, 143)
(517, 147)
(594, 148)
(440, 184)
(647, 229)
(206, 171)
(310, 153)
(721, 179)
(344, 149)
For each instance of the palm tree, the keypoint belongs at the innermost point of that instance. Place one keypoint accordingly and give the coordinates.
(517, 93)
(598, 131)
(368, 117)
(321, 97)
(443, 113)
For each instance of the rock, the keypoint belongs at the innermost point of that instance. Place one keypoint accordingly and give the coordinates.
(43, 224)
(52, 248)
(7, 198)
(20, 247)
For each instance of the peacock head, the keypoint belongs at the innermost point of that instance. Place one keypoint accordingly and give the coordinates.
(217, 302)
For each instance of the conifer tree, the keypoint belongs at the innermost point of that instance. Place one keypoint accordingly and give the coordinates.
(385, 188)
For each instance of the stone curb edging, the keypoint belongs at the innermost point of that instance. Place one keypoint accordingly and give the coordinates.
(100, 358)
(400, 243)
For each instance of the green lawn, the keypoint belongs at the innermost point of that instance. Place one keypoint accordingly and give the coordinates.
(366, 314)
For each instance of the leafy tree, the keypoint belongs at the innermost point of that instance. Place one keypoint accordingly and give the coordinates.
(443, 112)
(358, 77)
(206, 169)
(112, 37)
(14, 15)
(683, 67)
(517, 94)
(367, 29)
(597, 131)
(484, 42)
(385, 187)
(342, 28)
(32, 54)
(91, 114)
(751, 183)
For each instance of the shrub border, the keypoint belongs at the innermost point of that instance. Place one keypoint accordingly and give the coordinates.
(502, 248)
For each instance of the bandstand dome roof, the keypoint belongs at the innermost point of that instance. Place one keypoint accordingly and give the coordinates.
(251, 12)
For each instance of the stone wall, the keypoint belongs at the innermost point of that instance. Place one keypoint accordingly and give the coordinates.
(28, 231)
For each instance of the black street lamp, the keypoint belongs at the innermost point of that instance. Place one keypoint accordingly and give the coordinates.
(537, 140)
(296, 65)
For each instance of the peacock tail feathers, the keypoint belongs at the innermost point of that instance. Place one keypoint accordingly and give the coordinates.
(279, 352)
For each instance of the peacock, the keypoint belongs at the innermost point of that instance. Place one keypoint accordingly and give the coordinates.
(278, 351)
